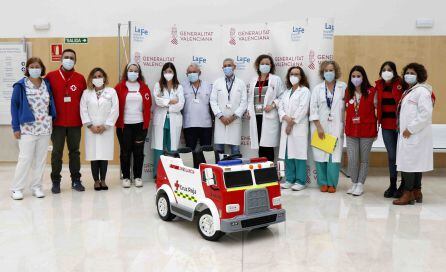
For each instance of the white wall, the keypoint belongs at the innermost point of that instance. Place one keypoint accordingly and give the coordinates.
(100, 17)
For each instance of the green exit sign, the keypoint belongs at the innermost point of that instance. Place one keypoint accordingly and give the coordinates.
(76, 40)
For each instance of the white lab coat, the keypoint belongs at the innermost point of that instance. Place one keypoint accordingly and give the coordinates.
(319, 110)
(160, 109)
(271, 123)
(295, 106)
(415, 154)
(232, 133)
(102, 111)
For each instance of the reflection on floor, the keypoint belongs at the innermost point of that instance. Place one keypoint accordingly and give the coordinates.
(119, 230)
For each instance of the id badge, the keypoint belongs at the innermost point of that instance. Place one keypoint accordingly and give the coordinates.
(196, 101)
(228, 106)
(356, 120)
(67, 99)
(330, 118)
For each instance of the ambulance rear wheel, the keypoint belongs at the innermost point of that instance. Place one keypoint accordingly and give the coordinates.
(163, 207)
(205, 225)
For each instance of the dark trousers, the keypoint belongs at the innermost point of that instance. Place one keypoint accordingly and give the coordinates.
(264, 151)
(131, 141)
(73, 137)
(194, 134)
(390, 138)
(99, 170)
(412, 180)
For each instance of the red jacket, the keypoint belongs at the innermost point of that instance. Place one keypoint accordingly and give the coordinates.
(367, 127)
(122, 91)
(397, 92)
(67, 84)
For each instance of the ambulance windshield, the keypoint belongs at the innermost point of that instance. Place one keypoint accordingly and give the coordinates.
(238, 178)
(266, 175)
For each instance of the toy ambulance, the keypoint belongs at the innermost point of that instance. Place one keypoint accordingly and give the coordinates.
(227, 196)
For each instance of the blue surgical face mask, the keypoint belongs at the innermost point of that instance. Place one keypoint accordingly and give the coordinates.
(410, 79)
(34, 72)
(193, 77)
(68, 64)
(329, 76)
(132, 76)
(264, 68)
(229, 71)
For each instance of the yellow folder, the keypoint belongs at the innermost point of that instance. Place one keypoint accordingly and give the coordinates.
(327, 144)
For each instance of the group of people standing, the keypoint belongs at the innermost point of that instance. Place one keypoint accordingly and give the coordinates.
(282, 116)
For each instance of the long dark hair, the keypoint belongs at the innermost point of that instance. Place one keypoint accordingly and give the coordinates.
(392, 66)
(365, 85)
(163, 81)
(303, 78)
(259, 59)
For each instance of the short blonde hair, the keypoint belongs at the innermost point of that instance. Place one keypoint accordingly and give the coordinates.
(325, 63)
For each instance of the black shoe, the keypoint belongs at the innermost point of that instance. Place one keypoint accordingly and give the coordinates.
(56, 187)
(390, 192)
(97, 186)
(399, 192)
(77, 185)
(104, 186)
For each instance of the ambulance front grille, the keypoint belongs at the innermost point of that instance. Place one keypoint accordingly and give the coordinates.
(256, 201)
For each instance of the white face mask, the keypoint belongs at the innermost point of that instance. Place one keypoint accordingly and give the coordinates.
(68, 64)
(387, 75)
(168, 76)
(98, 82)
(294, 80)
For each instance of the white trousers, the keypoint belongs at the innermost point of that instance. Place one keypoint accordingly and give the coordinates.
(33, 151)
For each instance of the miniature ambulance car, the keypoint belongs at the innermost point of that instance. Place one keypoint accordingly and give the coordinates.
(228, 196)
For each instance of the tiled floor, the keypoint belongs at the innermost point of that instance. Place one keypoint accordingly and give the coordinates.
(119, 230)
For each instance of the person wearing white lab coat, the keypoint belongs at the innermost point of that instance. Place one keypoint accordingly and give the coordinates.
(327, 116)
(415, 145)
(99, 109)
(264, 93)
(228, 102)
(293, 112)
(167, 118)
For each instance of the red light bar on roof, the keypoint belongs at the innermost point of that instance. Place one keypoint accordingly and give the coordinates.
(257, 160)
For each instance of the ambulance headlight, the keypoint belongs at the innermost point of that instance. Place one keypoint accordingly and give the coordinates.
(230, 208)
(277, 201)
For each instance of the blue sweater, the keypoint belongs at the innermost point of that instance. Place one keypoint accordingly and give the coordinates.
(20, 111)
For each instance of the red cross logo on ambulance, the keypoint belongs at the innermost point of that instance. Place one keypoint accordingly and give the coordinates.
(176, 185)
(73, 88)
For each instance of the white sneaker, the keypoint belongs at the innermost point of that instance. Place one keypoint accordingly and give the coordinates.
(17, 195)
(138, 182)
(298, 187)
(38, 193)
(126, 183)
(359, 190)
(352, 189)
(286, 185)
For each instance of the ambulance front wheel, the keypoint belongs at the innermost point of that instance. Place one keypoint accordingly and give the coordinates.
(205, 225)
(163, 207)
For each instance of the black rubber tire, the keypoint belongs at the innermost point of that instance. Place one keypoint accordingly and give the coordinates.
(217, 235)
(169, 215)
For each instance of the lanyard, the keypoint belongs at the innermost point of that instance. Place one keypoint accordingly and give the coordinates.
(196, 91)
(261, 84)
(229, 87)
(66, 81)
(356, 102)
(330, 99)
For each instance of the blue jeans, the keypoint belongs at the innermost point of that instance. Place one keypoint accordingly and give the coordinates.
(235, 149)
(390, 138)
